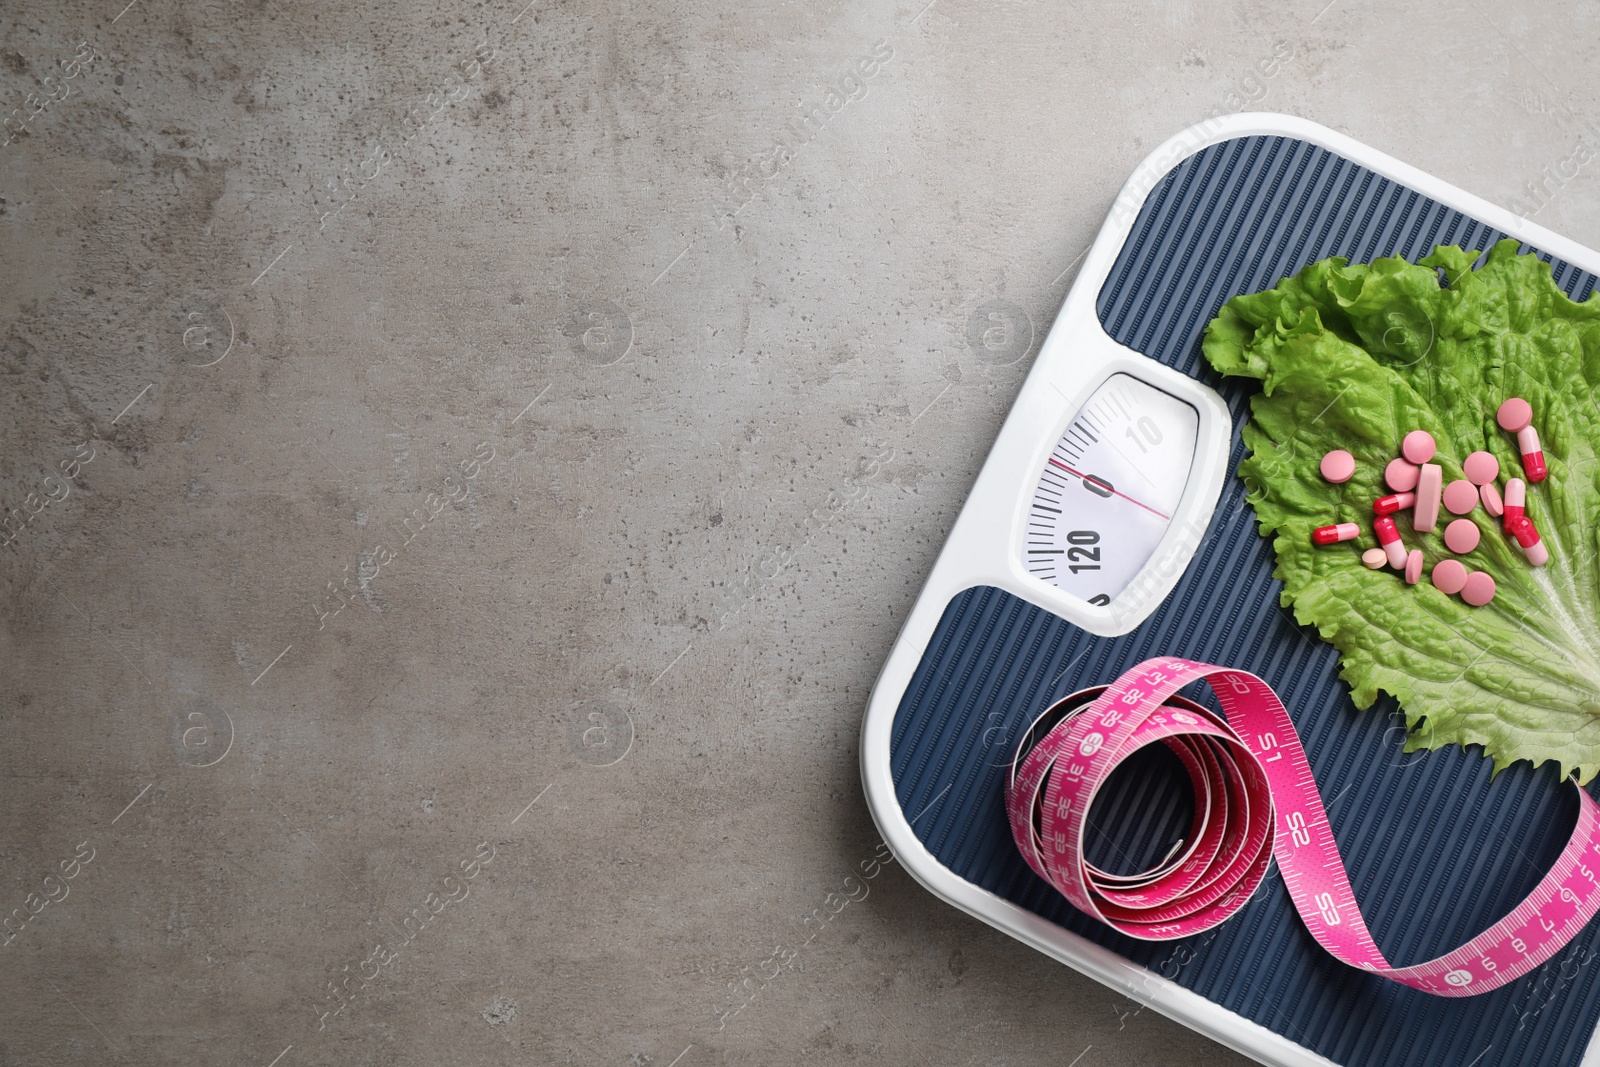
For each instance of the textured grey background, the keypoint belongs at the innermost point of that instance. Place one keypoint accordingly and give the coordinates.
(724, 454)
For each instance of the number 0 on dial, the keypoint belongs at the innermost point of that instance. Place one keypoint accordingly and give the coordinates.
(1109, 489)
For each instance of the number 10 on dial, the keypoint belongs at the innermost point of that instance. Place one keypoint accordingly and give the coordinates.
(1109, 489)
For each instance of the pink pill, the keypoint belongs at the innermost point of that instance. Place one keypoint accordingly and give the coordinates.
(1418, 446)
(1389, 537)
(1481, 468)
(1338, 466)
(1478, 590)
(1461, 536)
(1515, 500)
(1388, 505)
(1414, 566)
(1449, 576)
(1374, 558)
(1460, 496)
(1514, 414)
(1332, 535)
(1430, 487)
(1491, 499)
(1401, 476)
(1527, 535)
(1532, 454)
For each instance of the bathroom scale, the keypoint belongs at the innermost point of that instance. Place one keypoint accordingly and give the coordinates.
(1159, 555)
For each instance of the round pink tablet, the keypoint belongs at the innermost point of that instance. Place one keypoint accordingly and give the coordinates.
(1413, 566)
(1479, 589)
(1480, 468)
(1339, 466)
(1430, 485)
(1514, 414)
(1460, 496)
(1461, 536)
(1418, 446)
(1491, 499)
(1449, 576)
(1374, 558)
(1401, 476)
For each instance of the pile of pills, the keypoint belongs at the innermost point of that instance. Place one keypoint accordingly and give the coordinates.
(1418, 486)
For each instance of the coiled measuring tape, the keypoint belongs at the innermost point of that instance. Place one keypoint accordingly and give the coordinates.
(1254, 798)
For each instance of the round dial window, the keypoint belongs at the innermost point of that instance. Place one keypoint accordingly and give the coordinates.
(1109, 489)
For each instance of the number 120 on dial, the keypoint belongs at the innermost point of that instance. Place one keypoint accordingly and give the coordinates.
(1109, 489)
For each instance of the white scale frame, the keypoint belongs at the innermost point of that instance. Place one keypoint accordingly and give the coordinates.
(1076, 358)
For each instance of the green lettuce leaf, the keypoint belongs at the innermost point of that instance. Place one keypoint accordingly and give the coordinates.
(1354, 357)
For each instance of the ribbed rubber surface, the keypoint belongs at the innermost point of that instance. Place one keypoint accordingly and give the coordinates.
(1436, 851)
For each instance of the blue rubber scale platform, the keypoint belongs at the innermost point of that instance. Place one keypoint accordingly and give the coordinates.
(1436, 852)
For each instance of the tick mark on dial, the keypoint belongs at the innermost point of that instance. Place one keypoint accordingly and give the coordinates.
(1104, 488)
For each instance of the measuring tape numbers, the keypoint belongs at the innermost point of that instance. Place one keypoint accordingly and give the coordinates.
(1254, 799)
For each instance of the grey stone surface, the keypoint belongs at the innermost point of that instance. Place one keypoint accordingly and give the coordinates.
(445, 561)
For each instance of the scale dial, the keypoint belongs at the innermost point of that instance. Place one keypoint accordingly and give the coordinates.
(1109, 489)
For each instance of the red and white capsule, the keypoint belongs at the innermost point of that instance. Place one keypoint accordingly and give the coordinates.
(1389, 538)
(1388, 505)
(1527, 535)
(1532, 454)
(1514, 503)
(1332, 535)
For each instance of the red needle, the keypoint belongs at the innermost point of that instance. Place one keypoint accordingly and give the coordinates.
(1107, 488)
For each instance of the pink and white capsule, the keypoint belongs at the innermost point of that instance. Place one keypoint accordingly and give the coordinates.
(1388, 505)
(1332, 535)
(1513, 507)
(1527, 535)
(1532, 454)
(1389, 538)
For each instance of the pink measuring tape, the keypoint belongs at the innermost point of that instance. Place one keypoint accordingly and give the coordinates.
(1254, 798)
